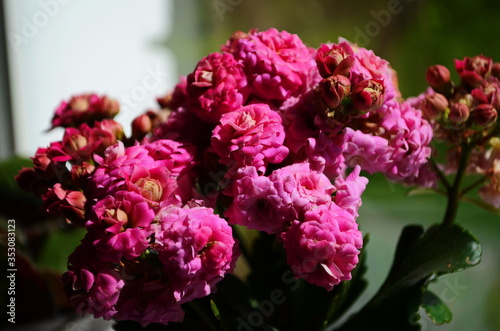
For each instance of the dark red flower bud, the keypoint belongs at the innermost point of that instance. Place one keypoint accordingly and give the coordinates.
(473, 70)
(368, 95)
(438, 77)
(459, 113)
(434, 105)
(485, 115)
(334, 89)
(335, 59)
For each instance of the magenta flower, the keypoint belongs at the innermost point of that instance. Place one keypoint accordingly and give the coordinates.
(257, 204)
(278, 65)
(324, 248)
(196, 248)
(251, 136)
(85, 108)
(217, 86)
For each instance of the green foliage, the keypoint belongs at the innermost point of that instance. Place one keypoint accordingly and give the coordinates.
(420, 257)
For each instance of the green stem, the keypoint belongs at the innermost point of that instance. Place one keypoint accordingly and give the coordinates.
(440, 174)
(474, 185)
(454, 192)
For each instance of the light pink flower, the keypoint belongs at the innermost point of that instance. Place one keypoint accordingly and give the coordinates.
(196, 248)
(324, 248)
(409, 135)
(250, 136)
(217, 86)
(371, 153)
(301, 187)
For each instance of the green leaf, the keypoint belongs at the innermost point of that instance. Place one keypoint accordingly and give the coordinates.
(420, 256)
(436, 309)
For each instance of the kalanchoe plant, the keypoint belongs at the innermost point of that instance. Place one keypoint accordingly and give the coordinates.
(256, 159)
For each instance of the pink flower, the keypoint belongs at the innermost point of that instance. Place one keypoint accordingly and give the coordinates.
(123, 210)
(371, 153)
(301, 187)
(251, 136)
(349, 190)
(154, 170)
(119, 227)
(85, 108)
(410, 136)
(324, 248)
(217, 86)
(257, 204)
(196, 248)
(324, 153)
(278, 65)
(92, 286)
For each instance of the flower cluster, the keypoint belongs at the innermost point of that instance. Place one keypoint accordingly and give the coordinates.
(464, 117)
(269, 132)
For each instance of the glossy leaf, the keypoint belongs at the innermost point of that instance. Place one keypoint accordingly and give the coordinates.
(436, 309)
(420, 256)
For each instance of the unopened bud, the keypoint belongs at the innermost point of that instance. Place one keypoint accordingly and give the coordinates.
(459, 113)
(438, 77)
(141, 126)
(334, 89)
(485, 115)
(368, 95)
(334, 60)
(434, 105)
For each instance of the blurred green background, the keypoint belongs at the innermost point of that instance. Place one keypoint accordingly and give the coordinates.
(411, 35)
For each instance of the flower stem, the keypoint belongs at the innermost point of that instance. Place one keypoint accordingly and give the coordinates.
(454, 192)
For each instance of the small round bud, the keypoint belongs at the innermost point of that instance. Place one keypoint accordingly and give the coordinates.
(438, 76)
(434, 105)
(459, 113)
(334, 89)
